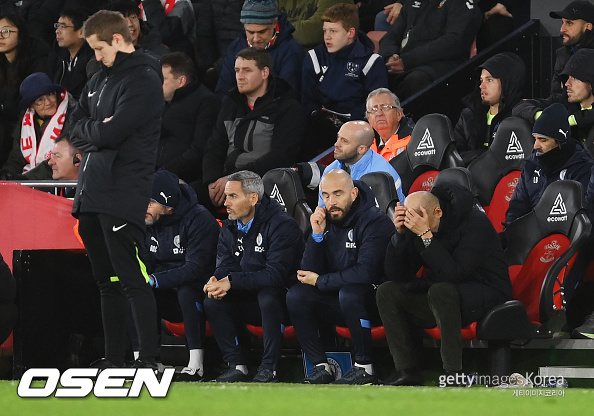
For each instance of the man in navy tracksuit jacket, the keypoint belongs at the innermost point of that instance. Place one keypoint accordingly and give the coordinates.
(180, 253)
(343, 260)
(259, 250)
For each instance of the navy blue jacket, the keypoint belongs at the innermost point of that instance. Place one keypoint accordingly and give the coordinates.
(534, 180)
(286, 54)
(268, 255)
(340, 81)
(351, 252)
(181, 247)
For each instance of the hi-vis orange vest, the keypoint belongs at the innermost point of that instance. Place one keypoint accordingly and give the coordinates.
(393, 147)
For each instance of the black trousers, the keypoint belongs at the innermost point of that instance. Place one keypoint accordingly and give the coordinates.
(353, 306)
(112, 248)
(265, 307)
(440, 305)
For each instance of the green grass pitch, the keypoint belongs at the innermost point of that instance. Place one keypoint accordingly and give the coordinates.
(211, 399)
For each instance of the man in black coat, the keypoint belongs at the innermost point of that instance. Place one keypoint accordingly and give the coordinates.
(189, 116)
(116, 124)
(8, 309)
(464, 275)
(500, 88)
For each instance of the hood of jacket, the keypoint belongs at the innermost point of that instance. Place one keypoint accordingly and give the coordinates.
(580, 66)
(456, 202)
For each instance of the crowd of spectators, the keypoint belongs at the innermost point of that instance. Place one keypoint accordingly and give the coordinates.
(253, 85)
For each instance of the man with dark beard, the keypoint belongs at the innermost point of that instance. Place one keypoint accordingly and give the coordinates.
(342, 263)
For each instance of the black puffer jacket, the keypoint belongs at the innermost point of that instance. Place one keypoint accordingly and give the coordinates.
(119, 161)
(472, 134)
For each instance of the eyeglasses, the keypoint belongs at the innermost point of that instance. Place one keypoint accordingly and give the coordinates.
(5, 33)
(61, 26)
(41, 100)
(383, 108)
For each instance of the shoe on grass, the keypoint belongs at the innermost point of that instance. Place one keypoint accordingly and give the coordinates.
(357, 376)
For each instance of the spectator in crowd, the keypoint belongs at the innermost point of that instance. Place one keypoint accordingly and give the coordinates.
(500, 88)
(337, 76)
(385, 18)
(353, 154)
(428, 39)
(117, 124)
(257, 258)
(217, 27)
(20, 56)
(557, 156)
(180, 251)
(8, 309)
(576, 34)
(265, 29)
(190, 113)
(386, 116)
(306, 16)
(341, 264)
(176, 22)
(465, 275)
(144, 34)
(577, 77)
(67, 63)
(259, 128)
(498, 21)
(47, 106)
(62, 165)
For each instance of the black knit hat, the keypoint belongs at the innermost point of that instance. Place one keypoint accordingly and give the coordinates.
(259, 12)
(34, 86)
(580, 9)
(553, 123)
(166, 189)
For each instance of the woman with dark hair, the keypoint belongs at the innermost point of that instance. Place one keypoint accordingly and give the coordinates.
(20, 56)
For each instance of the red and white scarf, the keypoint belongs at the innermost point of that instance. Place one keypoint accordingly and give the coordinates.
(33, 153)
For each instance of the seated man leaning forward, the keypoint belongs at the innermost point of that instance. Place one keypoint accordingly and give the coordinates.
(464, 275)
(257, 259)
(341, 265)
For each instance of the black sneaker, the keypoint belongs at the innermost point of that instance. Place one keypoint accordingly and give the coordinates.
(585, 330)
(357, 376)
(318, 375)
(146, 363)
(406, 377)
(232, 375)
(103, 363)
(264, 375)
(188, 375)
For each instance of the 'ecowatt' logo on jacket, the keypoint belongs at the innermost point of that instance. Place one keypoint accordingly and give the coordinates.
(426, 146)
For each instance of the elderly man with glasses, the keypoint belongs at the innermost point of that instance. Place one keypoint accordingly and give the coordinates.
(393, 129)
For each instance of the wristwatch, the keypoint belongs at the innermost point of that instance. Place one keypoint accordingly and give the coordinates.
(427, 241)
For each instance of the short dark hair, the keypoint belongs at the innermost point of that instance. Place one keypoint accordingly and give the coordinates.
(180, 64)
(126, 7)
(345, 14)
(261, 56)
(76, 15)
(104, 24)
(65, 137)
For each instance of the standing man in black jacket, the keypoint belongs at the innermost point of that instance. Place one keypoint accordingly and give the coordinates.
(116, 123)
(464, 275)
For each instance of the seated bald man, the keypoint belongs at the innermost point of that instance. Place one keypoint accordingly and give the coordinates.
(352, 153)
(464, 275)
(341, 265)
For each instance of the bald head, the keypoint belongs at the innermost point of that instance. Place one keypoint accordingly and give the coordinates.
(431, 205)
(353, 141)
(338, 193)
